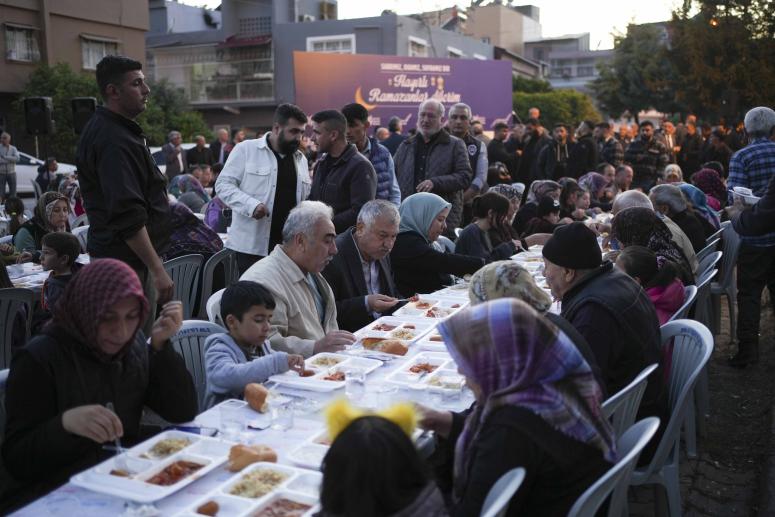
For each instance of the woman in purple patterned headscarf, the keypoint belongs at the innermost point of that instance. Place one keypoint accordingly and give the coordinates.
(537, 406)
(595, 183)
(711, 183)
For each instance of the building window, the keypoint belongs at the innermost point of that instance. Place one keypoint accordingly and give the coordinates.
(255, 26)
(339, 44)
(21, 44)
(418, 47)
(585, 71)
(93, 50)
(455, 53)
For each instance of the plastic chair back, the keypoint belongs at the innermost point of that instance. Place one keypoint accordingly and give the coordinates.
(622, 408)
(715, 235)
(458, 231)
(81, 220)
(6, 239)
(702, 308)
(497, 501)
(446, 244)
(189, 342)
(692, 347)
(82, 233)
(213, 308)
(690, 294)
(730, 247)
(708, 263)
(228, 260)
(184, 271)
(708, 249)
(616, 480)
(11, 300)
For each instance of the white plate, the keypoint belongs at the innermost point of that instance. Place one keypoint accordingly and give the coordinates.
(300, 485)
(430, 343)
(204, 450)
(317, 382)
(431, 303)
(402, 375)
(391, 327)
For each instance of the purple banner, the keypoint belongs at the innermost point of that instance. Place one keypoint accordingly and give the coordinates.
(395, 85)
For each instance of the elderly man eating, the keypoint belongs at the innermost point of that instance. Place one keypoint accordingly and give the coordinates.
(304, 319)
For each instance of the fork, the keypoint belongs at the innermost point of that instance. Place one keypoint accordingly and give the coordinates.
(120, 458)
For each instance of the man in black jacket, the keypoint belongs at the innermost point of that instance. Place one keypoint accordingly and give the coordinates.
(344, 179)
(200, 154)
(583, 154)
(648, 157)
(553, 160)
(360, 274)
(534, 141)
(124, 193)
(606, 306)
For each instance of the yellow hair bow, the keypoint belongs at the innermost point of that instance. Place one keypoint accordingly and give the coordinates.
(340, 414)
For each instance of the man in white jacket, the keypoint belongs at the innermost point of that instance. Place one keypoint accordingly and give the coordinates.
(262, 181)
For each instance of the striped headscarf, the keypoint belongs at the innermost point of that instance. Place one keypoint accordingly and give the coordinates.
(518, 358)
(92, 293)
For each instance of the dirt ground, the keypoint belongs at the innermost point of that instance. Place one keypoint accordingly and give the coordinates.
(729, 476)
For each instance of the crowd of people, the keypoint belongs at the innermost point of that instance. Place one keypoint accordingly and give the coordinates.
(333, 233)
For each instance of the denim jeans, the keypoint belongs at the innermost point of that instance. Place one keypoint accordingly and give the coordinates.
(9, 178)
(755, 271)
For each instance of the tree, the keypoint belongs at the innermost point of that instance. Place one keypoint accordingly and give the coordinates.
(726, 54)
(639, 77)
(566, 106)
(529, 85)
(167, 109)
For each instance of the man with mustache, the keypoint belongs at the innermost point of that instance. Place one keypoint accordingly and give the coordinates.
(261, 182)
(360, 275)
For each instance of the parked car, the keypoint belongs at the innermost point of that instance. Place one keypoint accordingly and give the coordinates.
(27, 171)
(158, 156)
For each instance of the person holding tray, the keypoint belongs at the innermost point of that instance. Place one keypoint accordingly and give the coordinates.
(91, 354)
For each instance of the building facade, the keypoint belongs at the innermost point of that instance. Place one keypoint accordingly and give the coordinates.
(75, 32)
(572, 65)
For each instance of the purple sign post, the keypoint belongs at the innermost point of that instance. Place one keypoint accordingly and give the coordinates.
(395, 85)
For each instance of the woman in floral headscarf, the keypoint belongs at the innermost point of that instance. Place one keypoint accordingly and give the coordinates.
(699, 201)
(641, 226)
(91, 354)
(711, 183)
(50, 215)
(537, 407)
(187, 190)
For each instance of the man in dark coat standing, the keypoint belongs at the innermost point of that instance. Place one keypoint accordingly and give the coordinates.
(360, 274)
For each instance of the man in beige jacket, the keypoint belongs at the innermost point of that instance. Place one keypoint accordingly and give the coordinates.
(304, 319)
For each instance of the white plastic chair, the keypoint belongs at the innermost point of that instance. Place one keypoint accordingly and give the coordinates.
(692, 347)
(189, 342)
(702, 308)
(616, 480)
(708, 249)
(499, 496)
(81, 220)
(36, 190)
(225, 258)
(184, 272)
(708, 262)
(82, 233)
(6, 239)
(716, 234)
(726, 284)
(622, 408)
(213, 308)
(690, 294)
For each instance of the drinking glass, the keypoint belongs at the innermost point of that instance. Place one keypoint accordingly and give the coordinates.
(354, 383)
(231, 422)
(282, 414)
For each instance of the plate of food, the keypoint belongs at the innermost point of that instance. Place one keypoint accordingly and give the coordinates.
(391, 327)
(325, 372)
(155, 468)
(417, 369)
(263, 490)
(431, 307)
(432, 341)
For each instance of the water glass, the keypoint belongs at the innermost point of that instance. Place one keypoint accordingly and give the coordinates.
(354, 383)
(281, 411)
(231, 424)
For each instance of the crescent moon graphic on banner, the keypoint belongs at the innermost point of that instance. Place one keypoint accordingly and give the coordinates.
(359, 100)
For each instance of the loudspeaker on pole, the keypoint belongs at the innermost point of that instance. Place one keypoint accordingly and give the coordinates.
(39, 115)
